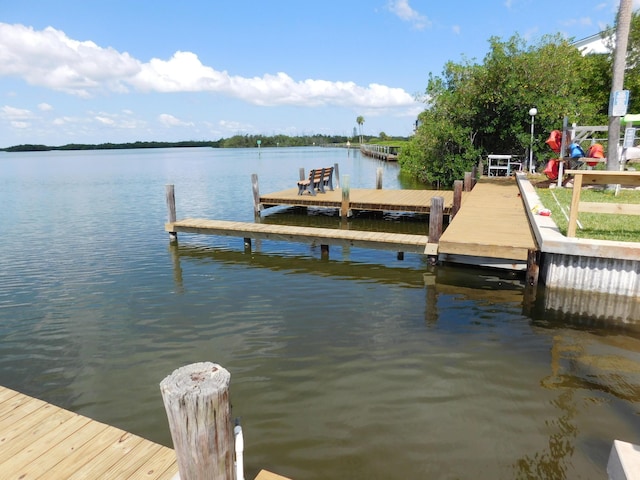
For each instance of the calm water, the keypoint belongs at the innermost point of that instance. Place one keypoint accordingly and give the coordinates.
(399, 371)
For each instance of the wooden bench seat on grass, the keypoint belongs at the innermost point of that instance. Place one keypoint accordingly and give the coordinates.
(319, 178)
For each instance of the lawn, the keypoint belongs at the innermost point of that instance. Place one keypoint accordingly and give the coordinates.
(623, 228)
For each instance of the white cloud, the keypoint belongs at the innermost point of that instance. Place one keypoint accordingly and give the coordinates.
(403, 10)
(171, 121)
(104, 120)
(456, 29)
(13, 113)
(44, 107)
(50, 59)
(20, 125)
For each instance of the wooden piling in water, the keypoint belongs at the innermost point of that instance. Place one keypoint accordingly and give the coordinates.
(379, 178)
(196, 399)
(256, 194)
(435, 219)
(171, 209)
(344, 207)
(468, 182)
(457, 198)
(336, 175)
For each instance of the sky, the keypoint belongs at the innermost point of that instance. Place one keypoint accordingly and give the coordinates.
(98, 71)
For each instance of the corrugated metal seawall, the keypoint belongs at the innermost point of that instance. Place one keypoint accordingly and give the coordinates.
(594, 274)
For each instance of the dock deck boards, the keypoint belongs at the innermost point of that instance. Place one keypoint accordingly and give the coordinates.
(40, 440)
(400, 242)
(418, 201)
(491, 223)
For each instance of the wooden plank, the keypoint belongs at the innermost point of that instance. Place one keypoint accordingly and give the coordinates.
(611, 208)
(108, 457)
(41, 462)
(22, 434)
(91, 440)
(42, 445)
(264, 475)
(39, 440)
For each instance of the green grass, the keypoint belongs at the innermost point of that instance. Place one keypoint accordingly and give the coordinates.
(623, 228)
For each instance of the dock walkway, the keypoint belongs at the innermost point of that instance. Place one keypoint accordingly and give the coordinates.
(416, 201)
(491, 224)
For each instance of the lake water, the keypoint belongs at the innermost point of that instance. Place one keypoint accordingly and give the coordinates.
(359, 366)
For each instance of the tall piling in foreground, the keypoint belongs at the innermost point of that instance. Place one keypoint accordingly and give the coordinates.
(171, 209)
(196, 399)
(468, 181)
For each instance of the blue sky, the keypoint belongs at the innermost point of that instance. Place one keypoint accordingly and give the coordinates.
(94, 71)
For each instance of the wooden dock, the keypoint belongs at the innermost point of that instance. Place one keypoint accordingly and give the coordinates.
(416, 201)
(399, 242)
(491, 225)
(40, 440)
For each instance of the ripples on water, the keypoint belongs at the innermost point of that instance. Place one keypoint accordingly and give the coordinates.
(356, 366)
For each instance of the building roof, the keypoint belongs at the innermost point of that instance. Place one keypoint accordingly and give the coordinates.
(592, 44)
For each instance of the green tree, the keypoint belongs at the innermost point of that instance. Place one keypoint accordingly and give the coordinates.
(477, 109)
(360, 122)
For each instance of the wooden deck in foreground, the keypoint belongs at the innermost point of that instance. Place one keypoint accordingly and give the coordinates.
(41, 441)
(417, 201)
(492, 224)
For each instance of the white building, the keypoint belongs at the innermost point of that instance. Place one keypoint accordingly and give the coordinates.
(593, 44)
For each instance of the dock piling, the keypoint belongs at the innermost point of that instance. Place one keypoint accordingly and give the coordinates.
(344, 208)
(336, 175)
(196, 399)
(256, 194)
(171, 209)
(457, 198)
(435, 219)
(468, 181)
(379, 178)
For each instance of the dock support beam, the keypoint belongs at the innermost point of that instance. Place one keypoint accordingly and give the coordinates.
(171, 210)
(196, 399)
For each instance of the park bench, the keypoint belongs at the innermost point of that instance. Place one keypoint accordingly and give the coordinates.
(319, 178)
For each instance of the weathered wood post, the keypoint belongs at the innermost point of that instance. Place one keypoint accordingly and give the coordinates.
(171, 210)
(474, 176)
(196, 399)
(379, 178)
(256, 194)
(468, 184)
(336, 175)
(435, 219)
(344, 208)
(457, 198)
(301, 173)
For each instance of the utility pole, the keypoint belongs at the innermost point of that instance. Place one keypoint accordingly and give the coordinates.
(619, 65)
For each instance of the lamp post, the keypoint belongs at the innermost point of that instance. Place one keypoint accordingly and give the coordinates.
(533, 112)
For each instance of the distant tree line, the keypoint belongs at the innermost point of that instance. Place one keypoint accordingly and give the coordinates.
(237, 141)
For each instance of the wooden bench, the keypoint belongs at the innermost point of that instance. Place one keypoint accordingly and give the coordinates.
(319, 178)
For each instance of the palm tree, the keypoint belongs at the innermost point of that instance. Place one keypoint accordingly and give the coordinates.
(360, 121)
